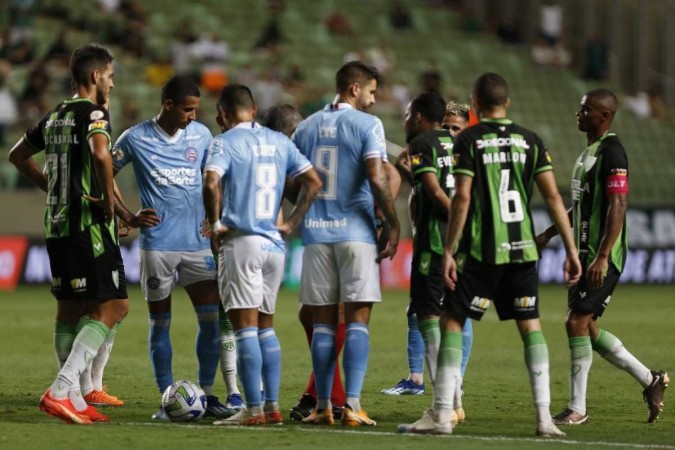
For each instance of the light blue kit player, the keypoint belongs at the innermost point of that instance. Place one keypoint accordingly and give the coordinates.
(243, 186)
(168, 153)
(347, 147)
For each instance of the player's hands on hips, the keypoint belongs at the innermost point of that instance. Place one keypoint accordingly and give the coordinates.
(217, 236)
(387, 244)
(146, 217)
(595, 276)
(572, 270)
(449, 270)
(285, 229)
(107, 205)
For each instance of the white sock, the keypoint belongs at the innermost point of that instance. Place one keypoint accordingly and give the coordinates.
(536, 359)
(611, 348)
(581, 359)
(228, 362)
(99, 363)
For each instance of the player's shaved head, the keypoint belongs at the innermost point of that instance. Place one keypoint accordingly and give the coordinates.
(234, 97)
(355, 72)
(604, 99)
(282, 118)
(178, 88)
(490, 90)
(86, 60)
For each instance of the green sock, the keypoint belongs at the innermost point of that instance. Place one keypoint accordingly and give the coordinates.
(431, 334)
(64, 335)
(449, 374)
(612, 349)
(536, 359)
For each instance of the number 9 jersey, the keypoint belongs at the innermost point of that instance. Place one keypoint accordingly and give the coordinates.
(503, 160)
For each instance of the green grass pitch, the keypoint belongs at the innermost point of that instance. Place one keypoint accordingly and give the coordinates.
(497, 397)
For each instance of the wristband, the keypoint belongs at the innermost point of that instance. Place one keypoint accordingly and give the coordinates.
(215, 226)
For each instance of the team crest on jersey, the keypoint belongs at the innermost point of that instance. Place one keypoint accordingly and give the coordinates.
(416, 160)
(153, 283)
(118, 154)
(96, 115)
(191, 154)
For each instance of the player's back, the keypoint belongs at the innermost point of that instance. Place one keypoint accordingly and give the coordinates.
(255, 162)
(168, 174)
(503, 158)
(338, 140)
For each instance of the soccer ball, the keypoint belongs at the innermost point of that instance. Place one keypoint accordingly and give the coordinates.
(184, 401)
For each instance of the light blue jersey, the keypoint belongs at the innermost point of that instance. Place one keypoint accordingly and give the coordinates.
(254, 162)
(169, 176)
(338, 140)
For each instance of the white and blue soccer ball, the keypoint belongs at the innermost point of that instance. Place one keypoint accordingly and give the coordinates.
(184, 401)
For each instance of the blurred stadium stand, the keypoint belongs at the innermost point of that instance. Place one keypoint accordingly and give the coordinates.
(447, 36)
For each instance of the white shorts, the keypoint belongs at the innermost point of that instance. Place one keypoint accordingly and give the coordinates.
(250, 271)
(345, 271)
(159, 269)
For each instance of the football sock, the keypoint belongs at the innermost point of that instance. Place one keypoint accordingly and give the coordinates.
(99, 363)
(207, 343)
(85, 346)
(536, 359)
(612, 349)
(64, 335)
(467, 343)
(415, 350)
(355, 360)
(228, 354)
(581, 358)
(337, 393)
(449, 374)
(85, 383)
(431, 332)
(159, 346)
(249, 365)
(311, 383)
(271, 363)
(323, 361)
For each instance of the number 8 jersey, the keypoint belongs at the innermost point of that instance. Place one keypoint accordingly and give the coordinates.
(338, 140)
(254, 162)
(503, 160)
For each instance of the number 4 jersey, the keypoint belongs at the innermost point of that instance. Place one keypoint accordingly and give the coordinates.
(503, 160)
(64, 135)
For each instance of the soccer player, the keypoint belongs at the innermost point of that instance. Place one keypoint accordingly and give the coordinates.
(80, 227)
(253, 162)
(598, 217)
(490, 250)
(456, 119)
(347, 147)
(168, 153)
(285, 118)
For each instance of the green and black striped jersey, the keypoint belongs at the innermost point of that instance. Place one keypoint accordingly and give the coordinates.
(503, 160)
(601, 169)
(64, 135)
(430, 152)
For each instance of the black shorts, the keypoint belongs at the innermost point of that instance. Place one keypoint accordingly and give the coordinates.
(87, 266)
(583, 300)
(426, 285)
(514, 288)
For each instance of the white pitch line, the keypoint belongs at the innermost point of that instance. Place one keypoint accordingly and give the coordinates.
(408, 435)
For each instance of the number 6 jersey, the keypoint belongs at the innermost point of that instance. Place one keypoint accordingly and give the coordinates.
(503, 160)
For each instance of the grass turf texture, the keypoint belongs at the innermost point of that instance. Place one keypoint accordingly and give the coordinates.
(497, 394)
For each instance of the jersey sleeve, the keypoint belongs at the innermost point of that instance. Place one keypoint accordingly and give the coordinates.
(122, 151)
(374, 143)
(35, 137)
(421, 158)
(217, 159)
(98, 121)
(544, 161)
(297, 163)
(615, 169)
(463, 161)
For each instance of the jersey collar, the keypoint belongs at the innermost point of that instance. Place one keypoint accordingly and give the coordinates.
(247, 125)
(336, 106)
(170, 139)
(500, 121)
